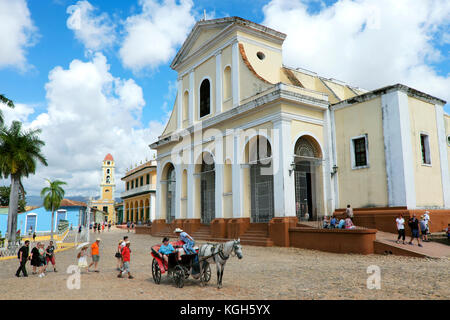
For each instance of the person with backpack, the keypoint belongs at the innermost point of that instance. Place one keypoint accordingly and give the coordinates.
(23, 256)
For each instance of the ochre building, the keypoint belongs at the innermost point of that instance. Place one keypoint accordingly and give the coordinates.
(253, 142)
(139, 197)
(107, 190)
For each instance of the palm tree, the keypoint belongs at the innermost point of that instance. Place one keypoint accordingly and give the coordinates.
(6, 101)
(53, 195)
(19, 152)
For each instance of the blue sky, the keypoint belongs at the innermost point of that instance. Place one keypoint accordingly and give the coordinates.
(65, 78)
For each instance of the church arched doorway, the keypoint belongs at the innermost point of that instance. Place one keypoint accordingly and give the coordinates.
(207, 188)
(308, 161)
(170, 194)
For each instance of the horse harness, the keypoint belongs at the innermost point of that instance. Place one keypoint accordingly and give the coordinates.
(219, 252)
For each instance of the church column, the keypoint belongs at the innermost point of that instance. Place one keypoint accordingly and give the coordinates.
(443, 159)
(152, 206)
(191, 96)
(219, 179)
(178, 185)
(180, 105)
(219, 76)
(158, 191)
(283, 181)
(235, 73)
(236, 172)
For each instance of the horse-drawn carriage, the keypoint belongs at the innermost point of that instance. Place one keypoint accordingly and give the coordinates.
(179, 270)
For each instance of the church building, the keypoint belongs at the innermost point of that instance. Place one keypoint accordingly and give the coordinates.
(106, 201)
(251, 141)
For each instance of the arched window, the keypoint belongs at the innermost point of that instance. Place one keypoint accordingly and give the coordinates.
(107, 171)
(107, 179)
(227, 83)
(205, 98)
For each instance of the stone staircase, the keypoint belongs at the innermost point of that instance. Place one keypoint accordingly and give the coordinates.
(257, 234)
(202, 233)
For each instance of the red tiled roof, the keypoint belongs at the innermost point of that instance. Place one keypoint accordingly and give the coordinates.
(108, 157)
(71, 203)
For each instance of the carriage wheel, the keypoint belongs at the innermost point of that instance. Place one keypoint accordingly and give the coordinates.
(178, 276)
(156, 272)
(206, 268)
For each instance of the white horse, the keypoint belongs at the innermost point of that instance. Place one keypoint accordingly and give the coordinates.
(219, 253)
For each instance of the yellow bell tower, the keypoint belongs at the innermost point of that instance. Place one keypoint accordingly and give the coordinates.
(107, 190)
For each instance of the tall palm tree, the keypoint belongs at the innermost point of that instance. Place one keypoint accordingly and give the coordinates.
(19, 152)
(6, 101)
(53, 195)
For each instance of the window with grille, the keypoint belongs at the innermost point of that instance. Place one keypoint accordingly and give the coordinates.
(142, 181)
(148, 178)
(425, 148)
(360, 151)
(128, 185)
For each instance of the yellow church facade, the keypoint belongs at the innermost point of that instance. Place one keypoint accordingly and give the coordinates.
(253, 141)
(106, 202)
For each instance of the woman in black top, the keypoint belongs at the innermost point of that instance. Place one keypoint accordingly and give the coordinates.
(35, 257)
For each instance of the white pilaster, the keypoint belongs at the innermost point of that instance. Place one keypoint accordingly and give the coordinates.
(398, 150)
(442, 143)
(191, 96)
(178, 192)
(180, 105)
(219, 81)
(282, 157)
(335, 178)
(236, 172)
(235, 73)
(152, 206)
(328, 165)
(158, 191)
(219, 179)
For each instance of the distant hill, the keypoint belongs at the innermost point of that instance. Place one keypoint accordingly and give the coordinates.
(37, 200)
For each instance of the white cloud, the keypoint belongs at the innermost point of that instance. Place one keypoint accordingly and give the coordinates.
(17, 32)
(367, 43)
(96, 32)
(90, 113)
(152, 36)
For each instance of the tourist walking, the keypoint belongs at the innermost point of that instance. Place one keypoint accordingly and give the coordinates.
(427, 219)
(51, 255)
(128, 226)
(35, 257)
(23, 256)
(34, 236)
(118, 255)
(400, 228)
(95, 254)
(103, 226)
(132, 226)
(109, 226)
(42, 262)
(349, 212)
(423, 229)
(82, 259)
(414, 226)
(126, 257)
(99, 228)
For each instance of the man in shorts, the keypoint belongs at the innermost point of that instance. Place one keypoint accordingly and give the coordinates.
(95, 254)
(414, 225)
(50, 255)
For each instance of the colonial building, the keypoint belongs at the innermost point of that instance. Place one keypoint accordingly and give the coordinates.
(139, 197)
(253, 141)
(107, 190)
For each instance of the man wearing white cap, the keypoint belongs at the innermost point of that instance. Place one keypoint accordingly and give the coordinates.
(189, 242)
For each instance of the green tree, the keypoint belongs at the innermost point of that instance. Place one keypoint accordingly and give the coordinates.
(20, 151)
(53, 195)
(4, 197)
(6, 101)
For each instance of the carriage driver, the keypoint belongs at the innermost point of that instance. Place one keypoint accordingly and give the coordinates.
(188, 246)
(166, 249)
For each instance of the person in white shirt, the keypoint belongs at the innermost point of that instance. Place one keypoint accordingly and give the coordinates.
(400, 228)
(426, 218)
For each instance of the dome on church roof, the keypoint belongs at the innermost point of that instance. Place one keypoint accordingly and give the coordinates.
(108, 157)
